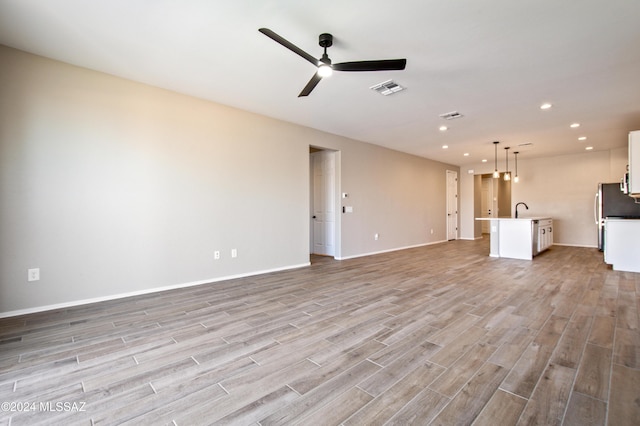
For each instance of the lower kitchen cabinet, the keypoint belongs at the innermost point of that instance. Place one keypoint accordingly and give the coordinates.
(545, 234)
(622, 244)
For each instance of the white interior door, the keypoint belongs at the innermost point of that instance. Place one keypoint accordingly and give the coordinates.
(324, 201)
(452, 205)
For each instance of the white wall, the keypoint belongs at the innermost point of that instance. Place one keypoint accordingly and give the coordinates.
(112, 187)
(561, 187)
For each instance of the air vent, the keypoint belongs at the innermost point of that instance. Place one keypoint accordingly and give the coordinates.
(451, 115)
(387, 88)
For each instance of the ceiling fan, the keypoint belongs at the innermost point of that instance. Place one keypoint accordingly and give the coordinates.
(325, 67)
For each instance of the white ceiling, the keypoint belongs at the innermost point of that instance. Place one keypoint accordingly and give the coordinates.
(494, 61)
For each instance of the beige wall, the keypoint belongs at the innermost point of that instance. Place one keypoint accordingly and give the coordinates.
(561, 187)
(111, 187)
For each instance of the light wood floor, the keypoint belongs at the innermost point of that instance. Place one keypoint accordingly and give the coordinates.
(435, 335)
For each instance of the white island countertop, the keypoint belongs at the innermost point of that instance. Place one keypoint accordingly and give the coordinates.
(517, 238)
(513, 218)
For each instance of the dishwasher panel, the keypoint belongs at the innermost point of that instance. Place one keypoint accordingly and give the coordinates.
(535, 237)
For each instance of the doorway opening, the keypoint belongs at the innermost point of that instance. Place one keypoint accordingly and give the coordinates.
(495, 199)
(324, 227)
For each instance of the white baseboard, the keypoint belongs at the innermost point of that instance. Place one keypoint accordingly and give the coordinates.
(389, 250)
(575, 245)
(141, 292)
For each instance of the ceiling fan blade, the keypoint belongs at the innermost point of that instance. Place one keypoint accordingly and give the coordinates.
(381, 65)
(310, 85)
(295, 49)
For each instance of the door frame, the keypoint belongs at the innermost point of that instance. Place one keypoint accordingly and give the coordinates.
(452, 174)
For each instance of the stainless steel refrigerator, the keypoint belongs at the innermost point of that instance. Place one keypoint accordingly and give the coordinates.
(611, 202)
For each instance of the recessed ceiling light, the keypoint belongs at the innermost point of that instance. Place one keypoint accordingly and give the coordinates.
(582, 138)
(466, 154)
(445, 146)
(589, 148)
(443, 128)
(484, 160)
(574, 125)
(545, 106)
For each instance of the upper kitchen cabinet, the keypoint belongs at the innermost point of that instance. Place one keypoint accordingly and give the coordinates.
(634, 164)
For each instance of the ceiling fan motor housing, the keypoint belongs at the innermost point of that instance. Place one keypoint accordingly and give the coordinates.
(325, 40)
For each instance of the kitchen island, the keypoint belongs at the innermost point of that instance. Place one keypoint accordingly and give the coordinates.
(521, 238)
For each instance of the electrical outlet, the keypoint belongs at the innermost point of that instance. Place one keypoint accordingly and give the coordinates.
(431, 231)
(234, 252)
(376, 236)
(33, 274)
(216, 254)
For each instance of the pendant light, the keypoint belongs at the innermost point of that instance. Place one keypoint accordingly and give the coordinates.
(516, 179)
(496, 173)
(507, 174)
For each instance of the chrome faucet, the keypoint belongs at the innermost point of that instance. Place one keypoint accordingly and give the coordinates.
(517, 208)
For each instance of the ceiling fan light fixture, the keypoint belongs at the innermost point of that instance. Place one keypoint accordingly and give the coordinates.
(325, 70)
